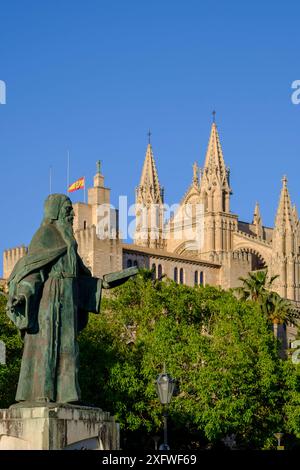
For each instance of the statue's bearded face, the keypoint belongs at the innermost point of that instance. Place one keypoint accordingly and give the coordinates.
(66, 214)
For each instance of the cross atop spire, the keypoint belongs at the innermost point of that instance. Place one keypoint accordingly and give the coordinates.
(149, 133)
(214, 116)
(98, 164)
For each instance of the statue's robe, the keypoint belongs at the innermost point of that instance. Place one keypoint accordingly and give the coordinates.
(55, 309)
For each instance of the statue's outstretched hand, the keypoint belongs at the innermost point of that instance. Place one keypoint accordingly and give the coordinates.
(117, 279)
(105, 284)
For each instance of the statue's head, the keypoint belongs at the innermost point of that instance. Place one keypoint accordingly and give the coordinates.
(58, 207)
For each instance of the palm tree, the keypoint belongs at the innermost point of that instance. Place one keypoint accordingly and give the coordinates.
(256, 286)
(278, 310)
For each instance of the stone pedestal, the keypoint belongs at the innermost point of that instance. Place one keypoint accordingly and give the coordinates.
(57, 426)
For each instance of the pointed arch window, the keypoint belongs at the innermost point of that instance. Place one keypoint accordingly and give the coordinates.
(129, 263)
(159, 271)
(153, 269)
(201, 278)
(196, 278)
(224, 201)
(181, 276)
(135, 263)
(175, 274)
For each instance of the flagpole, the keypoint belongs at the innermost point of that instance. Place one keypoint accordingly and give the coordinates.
(68, 169)
(84, 190)
(50, 180)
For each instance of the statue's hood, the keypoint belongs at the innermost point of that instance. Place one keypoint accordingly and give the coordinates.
(46, 245)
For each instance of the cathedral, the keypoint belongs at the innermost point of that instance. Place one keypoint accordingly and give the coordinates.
(201, 242)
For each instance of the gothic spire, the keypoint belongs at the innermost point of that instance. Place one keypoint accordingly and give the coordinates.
(149, 209)
(214, 185)
(149, 182)
(284, 217)
(284, 245)
(214, 160)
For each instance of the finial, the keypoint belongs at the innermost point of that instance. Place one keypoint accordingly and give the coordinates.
(214, 117)
(195, 172)
(284, 180)
(98, 166)
(149, 136)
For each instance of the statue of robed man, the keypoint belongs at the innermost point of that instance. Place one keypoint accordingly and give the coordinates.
(51, 293)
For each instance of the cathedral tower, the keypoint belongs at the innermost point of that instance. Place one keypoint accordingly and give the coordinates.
(285, 257)
(215, 193)
(149, 205)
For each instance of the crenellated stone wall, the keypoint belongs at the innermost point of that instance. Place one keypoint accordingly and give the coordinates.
(10, 258)
(101, 256)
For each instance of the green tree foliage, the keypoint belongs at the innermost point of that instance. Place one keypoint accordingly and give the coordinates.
(219, 349)
(230, 379)
(257, 287)
(9, 372)
(291, 405)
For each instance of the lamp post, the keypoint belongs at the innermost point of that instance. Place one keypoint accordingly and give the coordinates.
(279, 436)
(165, 388)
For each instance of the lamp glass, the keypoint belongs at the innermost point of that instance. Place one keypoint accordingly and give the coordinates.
(164, 388)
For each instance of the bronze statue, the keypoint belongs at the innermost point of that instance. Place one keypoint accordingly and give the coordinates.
(51, 293)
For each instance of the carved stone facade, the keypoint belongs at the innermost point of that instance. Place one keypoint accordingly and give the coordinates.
(234, 246)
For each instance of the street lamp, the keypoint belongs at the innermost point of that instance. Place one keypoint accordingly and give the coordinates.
(279, 436)
(165, 388)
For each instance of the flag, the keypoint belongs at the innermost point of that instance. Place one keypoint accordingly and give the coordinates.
(79, 184)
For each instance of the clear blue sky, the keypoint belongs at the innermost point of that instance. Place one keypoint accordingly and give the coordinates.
(93, 76)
